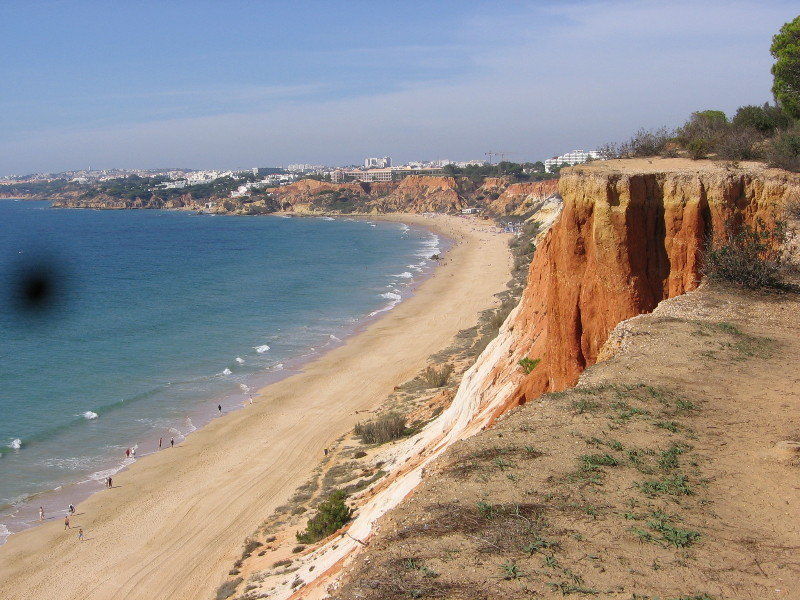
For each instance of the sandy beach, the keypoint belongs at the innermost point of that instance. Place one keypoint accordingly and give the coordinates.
(176, 520)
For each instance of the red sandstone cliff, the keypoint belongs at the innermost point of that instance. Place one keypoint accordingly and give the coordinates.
(630, 235)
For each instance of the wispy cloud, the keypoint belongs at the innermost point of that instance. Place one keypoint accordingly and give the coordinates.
(531, 79)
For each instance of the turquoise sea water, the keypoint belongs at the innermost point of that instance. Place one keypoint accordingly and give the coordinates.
(160, 316)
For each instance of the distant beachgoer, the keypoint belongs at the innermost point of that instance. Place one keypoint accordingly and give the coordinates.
(66, 522)
(80, 534)
(110, 482)
(219, 408)
(41, 513)
(128, 453)
(160, 441)
(71, 509)
(251, 398)
(172, 442)
(133, 452)
(326, 452)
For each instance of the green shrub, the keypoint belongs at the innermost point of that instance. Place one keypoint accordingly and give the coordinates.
(529, 364)
(385, 428)
(332, 515)
(765, 119)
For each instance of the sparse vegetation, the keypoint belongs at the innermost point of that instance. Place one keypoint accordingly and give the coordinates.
(385, 428)
(228, 589)
(436, 378)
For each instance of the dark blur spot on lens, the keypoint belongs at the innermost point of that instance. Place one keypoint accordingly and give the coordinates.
(37, 290)
(37, 287)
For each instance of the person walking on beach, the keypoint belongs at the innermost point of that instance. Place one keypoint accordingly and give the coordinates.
(219, 408)
(41, 513)
(110, 485)
(171, 442)
(66, 522)
(133, 453)
(71, 509)
(80, 534)
(128, 453)
(160, 441)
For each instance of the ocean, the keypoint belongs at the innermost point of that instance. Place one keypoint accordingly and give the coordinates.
(139, 324)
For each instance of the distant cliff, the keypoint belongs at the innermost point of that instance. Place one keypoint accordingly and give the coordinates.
(498, 196)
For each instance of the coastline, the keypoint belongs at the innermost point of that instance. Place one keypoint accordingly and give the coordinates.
(209, 492)
(25, 512)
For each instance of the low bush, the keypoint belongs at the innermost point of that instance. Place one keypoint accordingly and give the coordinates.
(749, 257)
(228, 589)
(643, 143)
(783, 151)
(332, 515)
(385, 428)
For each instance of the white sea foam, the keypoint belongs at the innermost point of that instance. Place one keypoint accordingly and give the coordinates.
(392, 296)
(227, 371)
(244, 387)
(334, 338)
(414, 267)
(4, 533)
(16, 444)
(404, 275)
(190, 426)
(261, 349)
(328, 219)
(240, 360)
(278, 367)
(89, 415)
(404, 228)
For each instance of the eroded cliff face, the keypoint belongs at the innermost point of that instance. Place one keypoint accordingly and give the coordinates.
(522, 198)
(631, 234)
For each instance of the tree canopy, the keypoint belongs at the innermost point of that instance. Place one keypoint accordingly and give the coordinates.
(786, 70)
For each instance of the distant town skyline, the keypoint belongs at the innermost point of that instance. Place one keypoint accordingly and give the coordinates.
(221, 86)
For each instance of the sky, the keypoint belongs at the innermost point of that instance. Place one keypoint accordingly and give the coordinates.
(209, 84)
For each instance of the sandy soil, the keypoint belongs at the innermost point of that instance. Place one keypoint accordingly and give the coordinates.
(175, 520)
(671, 471)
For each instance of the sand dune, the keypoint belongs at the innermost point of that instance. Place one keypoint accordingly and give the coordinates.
(178, 518)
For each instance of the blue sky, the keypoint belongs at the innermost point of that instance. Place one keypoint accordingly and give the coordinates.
(238, 84)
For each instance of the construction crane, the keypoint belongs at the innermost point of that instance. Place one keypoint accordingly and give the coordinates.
(490, 154)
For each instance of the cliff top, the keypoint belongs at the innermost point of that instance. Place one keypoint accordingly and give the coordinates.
(638, 166)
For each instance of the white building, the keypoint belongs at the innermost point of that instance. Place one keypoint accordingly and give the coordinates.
(377, 163)
(570, 158)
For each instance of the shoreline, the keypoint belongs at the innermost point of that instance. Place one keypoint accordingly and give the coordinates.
(178, 517)
(23, 515)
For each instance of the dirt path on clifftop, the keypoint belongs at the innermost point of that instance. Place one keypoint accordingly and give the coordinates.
(175, 521)
(672, 471)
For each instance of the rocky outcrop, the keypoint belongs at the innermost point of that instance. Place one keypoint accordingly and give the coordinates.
(522, 198)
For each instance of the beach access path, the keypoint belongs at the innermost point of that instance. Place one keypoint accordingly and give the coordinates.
(176, 520)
